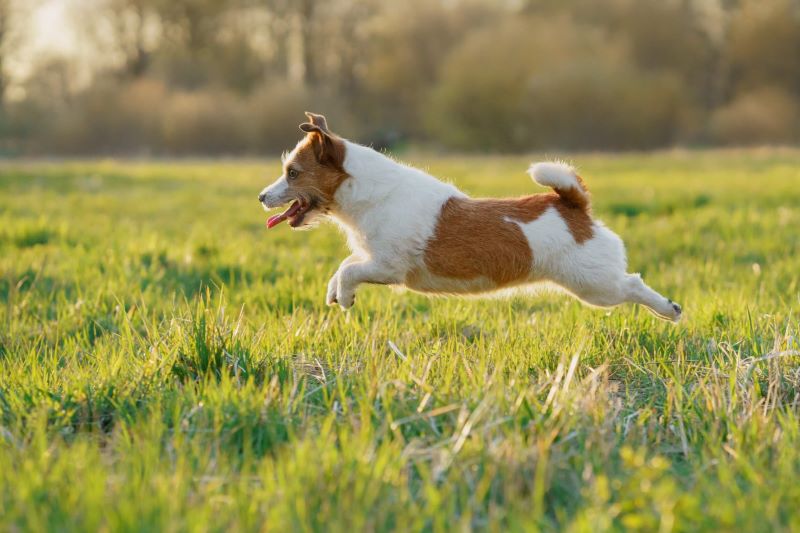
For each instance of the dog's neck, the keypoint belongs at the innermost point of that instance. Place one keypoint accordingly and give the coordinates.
(373, 177)
(383, 197)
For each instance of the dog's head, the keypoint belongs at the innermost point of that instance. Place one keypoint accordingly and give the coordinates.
(312, 173)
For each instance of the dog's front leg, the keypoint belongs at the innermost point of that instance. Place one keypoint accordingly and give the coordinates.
(333, 283)
(352, 275)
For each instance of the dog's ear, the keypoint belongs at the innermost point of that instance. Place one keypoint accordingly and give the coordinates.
(317, 123)
(318, 120)
(329, 149)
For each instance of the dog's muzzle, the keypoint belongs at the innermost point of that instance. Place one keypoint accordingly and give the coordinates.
(276, 194)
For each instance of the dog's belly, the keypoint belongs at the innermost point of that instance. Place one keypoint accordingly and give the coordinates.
(421, 279)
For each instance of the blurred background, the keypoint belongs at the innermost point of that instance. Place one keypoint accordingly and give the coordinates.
(232, 77)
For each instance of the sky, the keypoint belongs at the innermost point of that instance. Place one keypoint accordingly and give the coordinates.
(48, 29)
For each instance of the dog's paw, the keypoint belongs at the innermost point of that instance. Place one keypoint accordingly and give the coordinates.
(675, 311)
(346, 300)
(339, 295)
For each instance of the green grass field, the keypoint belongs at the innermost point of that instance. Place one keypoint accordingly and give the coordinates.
(168, 364)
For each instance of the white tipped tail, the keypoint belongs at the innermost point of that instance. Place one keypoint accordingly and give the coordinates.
(563, 179)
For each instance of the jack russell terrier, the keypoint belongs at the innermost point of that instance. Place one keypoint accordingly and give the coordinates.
(405, 227)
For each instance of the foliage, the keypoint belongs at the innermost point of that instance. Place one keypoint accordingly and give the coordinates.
(765, 115)
(570, 89)
(476, 75)
(167, 364)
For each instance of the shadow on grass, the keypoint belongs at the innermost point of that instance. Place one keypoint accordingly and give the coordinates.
(634, 209)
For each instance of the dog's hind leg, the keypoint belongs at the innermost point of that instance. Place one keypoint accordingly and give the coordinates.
(638, 292)
(628, 288)
(596, 272)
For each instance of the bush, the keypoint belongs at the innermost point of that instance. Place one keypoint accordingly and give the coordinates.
(108, 118)
(763, 44)
(532, 85)
(603, 106)
(145, 117)
(762, 116)
(273, 114)
(207, 122)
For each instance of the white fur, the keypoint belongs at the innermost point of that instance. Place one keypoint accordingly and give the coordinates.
(594, 271)
(276, 194)
(389, 212)
(555, 174)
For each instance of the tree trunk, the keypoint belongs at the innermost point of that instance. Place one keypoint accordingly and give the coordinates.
(4, 24)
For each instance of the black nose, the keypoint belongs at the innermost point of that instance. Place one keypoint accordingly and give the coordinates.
(261, 197)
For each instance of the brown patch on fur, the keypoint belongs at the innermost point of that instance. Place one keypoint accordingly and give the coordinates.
(577, 215)
(319, 163)
(473, 237)
(574, 197)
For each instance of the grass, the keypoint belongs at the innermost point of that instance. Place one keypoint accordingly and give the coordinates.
(167, 364)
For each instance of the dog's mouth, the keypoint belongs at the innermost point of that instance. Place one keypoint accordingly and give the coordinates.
(294, 214)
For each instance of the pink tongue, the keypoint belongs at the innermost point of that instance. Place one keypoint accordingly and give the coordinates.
(277, 219)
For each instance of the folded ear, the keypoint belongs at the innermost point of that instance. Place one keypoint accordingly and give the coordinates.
(326, 144)
(311, 128)
(328, 148)
(319, 121)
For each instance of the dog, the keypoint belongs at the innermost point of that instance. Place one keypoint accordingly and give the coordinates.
(405, 227)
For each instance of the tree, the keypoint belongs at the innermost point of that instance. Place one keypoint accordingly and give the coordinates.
(294, 22)
(404, 56)
(126, 31)
(5, 14)
(764, 44)
(544, 83)
(131, 21)
(192, 24)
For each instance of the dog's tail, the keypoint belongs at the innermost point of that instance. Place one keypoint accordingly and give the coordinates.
(564, 180)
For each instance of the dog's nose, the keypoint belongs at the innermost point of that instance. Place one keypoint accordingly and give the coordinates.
(261, 197)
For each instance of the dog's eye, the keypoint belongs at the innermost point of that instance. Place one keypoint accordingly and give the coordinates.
(292, 174)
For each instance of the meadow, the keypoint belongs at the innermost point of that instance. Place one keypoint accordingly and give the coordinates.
(168, 364)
